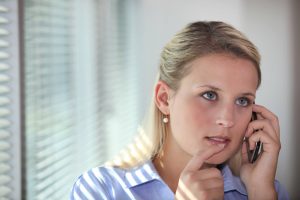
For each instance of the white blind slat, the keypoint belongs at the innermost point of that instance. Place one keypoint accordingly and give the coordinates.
(5, 170)
(80, 86)
(50, 110)
(10, 168)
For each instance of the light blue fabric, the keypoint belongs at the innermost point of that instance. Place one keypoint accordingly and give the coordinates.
(144, 183)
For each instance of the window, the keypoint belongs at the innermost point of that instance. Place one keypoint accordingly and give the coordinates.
(80, 89)
(10, 168)
(80, 92)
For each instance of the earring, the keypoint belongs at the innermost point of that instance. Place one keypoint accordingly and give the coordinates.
(165, 119)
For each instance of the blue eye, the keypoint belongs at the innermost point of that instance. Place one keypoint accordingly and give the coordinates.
(210, 95)
(243, 101)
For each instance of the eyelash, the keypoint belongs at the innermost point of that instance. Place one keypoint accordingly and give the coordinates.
(248, 101)
(204, 95)
(209, 92)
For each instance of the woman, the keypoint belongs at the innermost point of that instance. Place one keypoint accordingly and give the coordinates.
(203, 103)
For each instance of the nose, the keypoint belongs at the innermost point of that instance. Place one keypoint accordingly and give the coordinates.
(226, 116)
(225, 123)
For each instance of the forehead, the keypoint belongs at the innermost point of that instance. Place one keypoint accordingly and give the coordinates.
(222, 70)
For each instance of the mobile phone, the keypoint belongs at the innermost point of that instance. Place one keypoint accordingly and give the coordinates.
(254, 154)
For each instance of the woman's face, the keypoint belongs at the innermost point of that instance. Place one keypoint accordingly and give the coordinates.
(213, 106)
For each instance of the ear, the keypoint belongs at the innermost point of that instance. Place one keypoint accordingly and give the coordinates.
(162, 96)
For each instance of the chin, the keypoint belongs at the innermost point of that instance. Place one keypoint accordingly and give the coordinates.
(216, 160)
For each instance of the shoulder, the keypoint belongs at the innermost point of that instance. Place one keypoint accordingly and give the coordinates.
(113, 182)
(98, 183)
(234, 187)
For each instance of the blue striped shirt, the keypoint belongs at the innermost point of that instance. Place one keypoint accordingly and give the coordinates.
(144, 183)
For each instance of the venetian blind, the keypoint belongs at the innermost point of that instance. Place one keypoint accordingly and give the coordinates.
(49, 98)
(10, 168)
(91, 139)
(119, 76)
(81, 96)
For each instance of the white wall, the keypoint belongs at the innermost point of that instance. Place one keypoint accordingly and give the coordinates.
(271, 25)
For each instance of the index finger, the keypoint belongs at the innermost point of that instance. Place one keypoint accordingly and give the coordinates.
(267, 114)
(200, 157)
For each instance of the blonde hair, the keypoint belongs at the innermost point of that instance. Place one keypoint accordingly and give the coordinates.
(195, 40)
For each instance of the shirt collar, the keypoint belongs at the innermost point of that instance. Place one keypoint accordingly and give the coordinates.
(143, 173)
(232, 182)
(146, 172)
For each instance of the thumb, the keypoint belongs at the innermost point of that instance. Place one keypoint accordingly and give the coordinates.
(200, 157)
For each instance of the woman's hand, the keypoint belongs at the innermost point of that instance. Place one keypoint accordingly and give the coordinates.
(259, 176)
(196, 183)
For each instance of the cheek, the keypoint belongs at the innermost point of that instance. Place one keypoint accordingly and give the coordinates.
(193, 117)
(242, 122)
(201, 114)
(195, 112)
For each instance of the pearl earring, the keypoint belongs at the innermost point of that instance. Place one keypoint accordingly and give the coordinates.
(165, 120)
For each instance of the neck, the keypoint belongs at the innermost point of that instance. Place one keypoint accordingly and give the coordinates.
(169, 170)
(171, 162)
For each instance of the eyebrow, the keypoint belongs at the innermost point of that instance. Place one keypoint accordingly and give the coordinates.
(218, 89)
(206, 86)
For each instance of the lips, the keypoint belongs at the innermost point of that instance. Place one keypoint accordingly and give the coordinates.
(218, 140)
